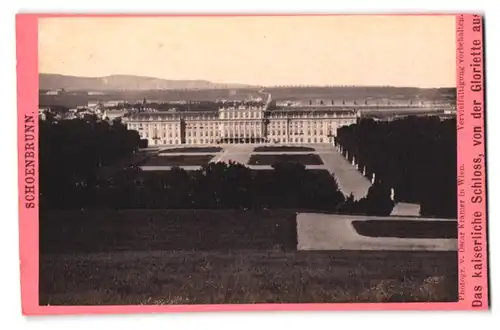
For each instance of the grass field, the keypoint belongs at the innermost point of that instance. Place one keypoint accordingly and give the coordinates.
(136, 158)
(186, 277)
(193, 150)
(306, 159)
(178, 160)
(407, 229)
(109, 257)
(282, 148)
(144, 230)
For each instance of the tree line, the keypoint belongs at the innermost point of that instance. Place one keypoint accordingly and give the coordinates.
(74, 153)
(416, 156)
(222, 186)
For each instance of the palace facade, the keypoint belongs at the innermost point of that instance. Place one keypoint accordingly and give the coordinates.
(241, 124)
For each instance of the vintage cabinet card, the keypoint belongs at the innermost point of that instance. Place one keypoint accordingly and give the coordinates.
(208, 163)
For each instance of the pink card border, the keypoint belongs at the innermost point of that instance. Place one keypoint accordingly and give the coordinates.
(27, 89)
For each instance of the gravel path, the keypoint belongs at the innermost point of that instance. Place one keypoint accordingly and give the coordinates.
(335, 232)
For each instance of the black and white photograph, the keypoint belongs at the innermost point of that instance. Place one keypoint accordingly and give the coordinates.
(194, 160)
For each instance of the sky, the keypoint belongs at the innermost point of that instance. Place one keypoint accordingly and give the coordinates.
(412, 50)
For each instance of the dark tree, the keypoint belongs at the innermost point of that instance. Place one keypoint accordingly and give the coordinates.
(415, 156)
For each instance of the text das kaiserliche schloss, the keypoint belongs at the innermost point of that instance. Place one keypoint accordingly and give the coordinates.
(474, 190)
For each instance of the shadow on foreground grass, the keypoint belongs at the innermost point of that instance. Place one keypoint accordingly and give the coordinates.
(247, 277)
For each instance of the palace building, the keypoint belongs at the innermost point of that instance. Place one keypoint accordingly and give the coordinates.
(241, 124)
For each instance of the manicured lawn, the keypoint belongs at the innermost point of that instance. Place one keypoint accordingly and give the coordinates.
(178, 160)
(193, 277)
(110, 257)
(307, 159)
(282, 148)
(192, 150)
(407, 228)
(145, 230)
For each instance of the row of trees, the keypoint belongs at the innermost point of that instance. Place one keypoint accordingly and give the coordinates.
(417, 156)
(75, 154)
(72, 152)
(220, 186)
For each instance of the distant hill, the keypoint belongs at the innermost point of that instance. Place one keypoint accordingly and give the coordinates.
(124, 83)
